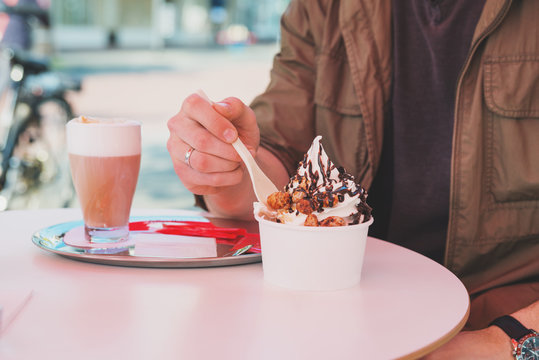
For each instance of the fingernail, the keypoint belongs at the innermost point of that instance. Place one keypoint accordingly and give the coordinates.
(230, 135)
(223, 105)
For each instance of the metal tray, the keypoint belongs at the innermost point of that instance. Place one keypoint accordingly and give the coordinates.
(51, 239)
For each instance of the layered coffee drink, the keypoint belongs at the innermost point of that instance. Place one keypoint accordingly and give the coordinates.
(105, 160)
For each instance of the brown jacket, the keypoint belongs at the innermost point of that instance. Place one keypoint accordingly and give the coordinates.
(333, 77)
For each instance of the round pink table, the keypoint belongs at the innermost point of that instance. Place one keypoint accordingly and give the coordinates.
(406, 306)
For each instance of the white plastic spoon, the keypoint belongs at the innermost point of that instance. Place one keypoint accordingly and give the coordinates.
(262, 185)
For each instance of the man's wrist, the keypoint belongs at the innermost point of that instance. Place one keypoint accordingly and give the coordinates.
(501, 340)
(232, 202)
(523, 338)
(528, 316)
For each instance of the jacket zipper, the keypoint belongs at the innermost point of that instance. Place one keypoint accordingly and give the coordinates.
(493, 25)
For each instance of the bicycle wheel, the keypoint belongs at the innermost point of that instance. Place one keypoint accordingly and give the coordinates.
(39, 168)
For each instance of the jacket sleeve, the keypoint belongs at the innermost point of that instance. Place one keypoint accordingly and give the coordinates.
(285, 110)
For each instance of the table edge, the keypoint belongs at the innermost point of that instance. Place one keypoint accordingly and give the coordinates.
(441, 341)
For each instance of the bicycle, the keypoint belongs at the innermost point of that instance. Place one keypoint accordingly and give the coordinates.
(34, 169)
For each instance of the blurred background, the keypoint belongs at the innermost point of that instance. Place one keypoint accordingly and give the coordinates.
(118, 58)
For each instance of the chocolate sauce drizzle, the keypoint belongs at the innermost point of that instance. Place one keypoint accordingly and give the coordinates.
(327, 197)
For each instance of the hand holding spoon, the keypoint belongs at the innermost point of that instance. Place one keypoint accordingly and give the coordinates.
(262, 185)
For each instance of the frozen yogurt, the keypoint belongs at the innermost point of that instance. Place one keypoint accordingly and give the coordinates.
(319, 194)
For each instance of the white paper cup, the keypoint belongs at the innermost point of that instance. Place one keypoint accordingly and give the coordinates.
(312, 258)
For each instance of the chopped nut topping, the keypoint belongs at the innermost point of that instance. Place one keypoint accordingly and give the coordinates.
(297, 196)
(279, 200)
(304, 206)
(311, 220)
(333, 221)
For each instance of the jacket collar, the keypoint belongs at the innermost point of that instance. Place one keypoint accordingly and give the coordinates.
(493, 12)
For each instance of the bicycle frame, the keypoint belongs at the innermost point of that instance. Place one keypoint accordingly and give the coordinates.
(10, 122)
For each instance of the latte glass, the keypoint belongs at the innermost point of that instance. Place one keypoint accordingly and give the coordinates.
(104, 155)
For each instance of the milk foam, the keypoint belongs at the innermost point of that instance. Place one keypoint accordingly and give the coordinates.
(103, 137)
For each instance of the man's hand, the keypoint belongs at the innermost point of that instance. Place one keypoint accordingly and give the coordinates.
(210, 129)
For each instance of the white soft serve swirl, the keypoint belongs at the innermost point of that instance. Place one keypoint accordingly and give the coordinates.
(319, 161)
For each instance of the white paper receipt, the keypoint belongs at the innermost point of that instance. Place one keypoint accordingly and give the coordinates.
(174, 246)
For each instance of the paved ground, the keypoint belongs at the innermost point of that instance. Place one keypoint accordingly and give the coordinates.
(150, 86)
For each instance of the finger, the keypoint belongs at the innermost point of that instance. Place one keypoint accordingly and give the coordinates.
(194, 180)
(198, 137)
(197, 108)
(236, 111)
(206, 163)
(243, 118)
(197, 160)
(220, 179)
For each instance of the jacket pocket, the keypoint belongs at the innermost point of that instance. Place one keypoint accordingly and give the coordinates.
(511, 88)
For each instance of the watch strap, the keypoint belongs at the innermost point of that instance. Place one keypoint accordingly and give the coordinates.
(511, 327)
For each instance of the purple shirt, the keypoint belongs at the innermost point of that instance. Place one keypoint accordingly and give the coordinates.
(431, 41)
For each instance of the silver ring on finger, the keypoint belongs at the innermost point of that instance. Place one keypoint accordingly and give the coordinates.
(187, 157)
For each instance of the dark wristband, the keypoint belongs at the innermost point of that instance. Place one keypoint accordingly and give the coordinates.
(511, 326)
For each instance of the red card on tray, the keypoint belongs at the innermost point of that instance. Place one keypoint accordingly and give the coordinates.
(238, 237)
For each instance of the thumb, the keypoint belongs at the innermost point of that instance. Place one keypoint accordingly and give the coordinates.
(235, 110)
(243, 118)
